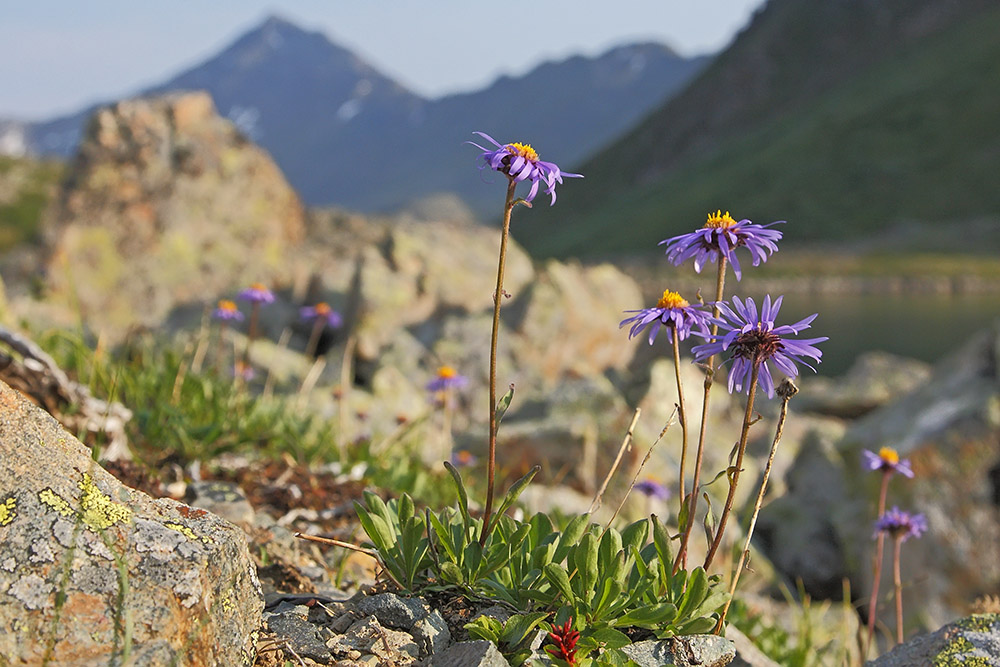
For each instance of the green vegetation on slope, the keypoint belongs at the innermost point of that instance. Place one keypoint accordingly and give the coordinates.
(25, 189)
(910, 139)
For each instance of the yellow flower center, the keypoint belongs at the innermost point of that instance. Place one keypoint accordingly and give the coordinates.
(447, 372)
(524, 150)
(717, 220)
(889, 455)
(322, 308)
(671, 300)
(463, 456)
(228, 306)
(260, 287)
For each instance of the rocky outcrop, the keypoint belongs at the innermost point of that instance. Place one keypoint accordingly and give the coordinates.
(166, 202)
(92, 572)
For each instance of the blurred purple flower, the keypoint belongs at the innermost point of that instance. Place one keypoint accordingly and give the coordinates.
(653, 489)
(520, 162)
(887, 460)
(755, 340)
(463, 459)
(447, 378)
(322, 311)
(243, 371)
(227, 311)
(257, 293)
(901, 524)
(722, 235)
(670, 311)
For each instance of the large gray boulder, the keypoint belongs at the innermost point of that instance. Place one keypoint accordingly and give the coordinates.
(974, 640)
(92, 572)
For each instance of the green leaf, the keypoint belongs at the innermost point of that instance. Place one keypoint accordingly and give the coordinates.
(711, 604)
(515, 490)
(452, 574)
(503, 404)
(662, 541)
(611, 544)
(709, 520)
(635, 534)
(682, 515)
(697, 626)
(404, 509)
(610, 638)
(443, 536)
(519, 626)
(485, 627)
(463, 496)
(585, 562)
(376, 529)
(574, 531)
(473, 560)
(608, 594)
(558, 577)
(695, 594)
(647, 615)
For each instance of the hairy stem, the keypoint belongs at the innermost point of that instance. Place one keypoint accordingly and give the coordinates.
(681, 559)
(734, 479)
(497, 300)
(876, 565)
(786, 395)
(681, 416)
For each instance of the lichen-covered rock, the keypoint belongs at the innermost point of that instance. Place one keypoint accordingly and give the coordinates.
(973, 641)
(701, 650)
(166, 202)
(92, 571)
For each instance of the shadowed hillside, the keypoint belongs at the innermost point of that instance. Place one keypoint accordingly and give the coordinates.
(845, 118)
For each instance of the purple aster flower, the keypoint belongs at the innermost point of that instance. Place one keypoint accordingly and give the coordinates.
(653, 489)
(887, 460)
(519, 162)
(901, 524)
(227, 311)
(447, 378)
(722, 235)
(671, 311)
(322, 311)
(257, 293)
(755, 340)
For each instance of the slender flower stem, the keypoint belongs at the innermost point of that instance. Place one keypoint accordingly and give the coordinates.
(314, 335)
(681, 415)
(699, 456)
(897, 581)
(786, 395)
(497, 299)
(252, 333)
(877, 565)
(735, 477)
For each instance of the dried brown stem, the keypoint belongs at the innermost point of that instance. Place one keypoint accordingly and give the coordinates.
(626, 445)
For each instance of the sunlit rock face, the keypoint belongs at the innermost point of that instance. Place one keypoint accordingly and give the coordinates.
(165, 202)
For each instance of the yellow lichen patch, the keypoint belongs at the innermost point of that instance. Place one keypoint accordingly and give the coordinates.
(8, 511)
(187, 532)
(99, 511)
(55, 502)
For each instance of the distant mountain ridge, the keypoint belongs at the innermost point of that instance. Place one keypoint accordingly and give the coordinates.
(847, 118)
(345, 134)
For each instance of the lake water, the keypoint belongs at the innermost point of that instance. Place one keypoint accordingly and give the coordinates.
(910, 325)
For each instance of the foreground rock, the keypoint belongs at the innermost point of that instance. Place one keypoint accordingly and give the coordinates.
(93, 572)
(974, 640)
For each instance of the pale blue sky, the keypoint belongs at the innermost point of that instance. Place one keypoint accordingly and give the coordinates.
(57, 55)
